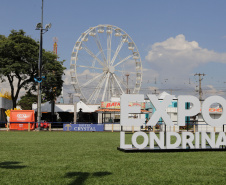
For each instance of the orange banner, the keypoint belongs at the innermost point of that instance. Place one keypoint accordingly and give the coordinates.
(22, 116)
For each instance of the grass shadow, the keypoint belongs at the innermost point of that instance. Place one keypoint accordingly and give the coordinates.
(81, 177)
(11, 165)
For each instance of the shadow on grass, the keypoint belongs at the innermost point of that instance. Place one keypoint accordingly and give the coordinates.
(11, 165)
(81, 177)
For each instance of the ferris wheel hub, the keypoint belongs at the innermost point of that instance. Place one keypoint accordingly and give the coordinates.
(111, 69)
(105, 69)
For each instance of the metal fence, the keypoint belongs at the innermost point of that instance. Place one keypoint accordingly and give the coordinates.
(197, 126)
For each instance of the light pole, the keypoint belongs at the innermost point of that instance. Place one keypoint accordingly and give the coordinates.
(39, 26)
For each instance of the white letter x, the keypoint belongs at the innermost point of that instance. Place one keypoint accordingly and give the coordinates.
(160, 110)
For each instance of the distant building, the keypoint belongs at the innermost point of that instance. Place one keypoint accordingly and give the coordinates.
(5, 104)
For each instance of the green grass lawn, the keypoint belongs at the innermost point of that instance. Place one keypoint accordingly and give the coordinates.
(93, 158)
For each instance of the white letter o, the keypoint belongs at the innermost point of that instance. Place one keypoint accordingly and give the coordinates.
(134, 140)
(205, 111)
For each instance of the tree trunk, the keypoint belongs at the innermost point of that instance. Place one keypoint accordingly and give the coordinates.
(53, 111)
(14, 102)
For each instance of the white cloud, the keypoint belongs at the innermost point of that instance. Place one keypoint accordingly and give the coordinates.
(175, 58)
(180, 51)
(88, 73)
(66, 77)
(211, 90)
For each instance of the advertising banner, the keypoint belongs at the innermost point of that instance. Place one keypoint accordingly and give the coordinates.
(22, 116)
(19, 119)
(110, 105)
(116, 105)
(83, 127)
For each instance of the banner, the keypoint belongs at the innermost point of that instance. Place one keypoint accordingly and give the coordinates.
(83, 127)
(22, 116)
(116, 105)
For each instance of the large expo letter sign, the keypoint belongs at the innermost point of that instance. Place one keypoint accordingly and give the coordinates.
(163, 140)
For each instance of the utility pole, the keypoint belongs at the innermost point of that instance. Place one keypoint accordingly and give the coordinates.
(127, 83)
(200, 84)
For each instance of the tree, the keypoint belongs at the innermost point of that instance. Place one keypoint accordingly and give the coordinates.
(19, 65)
(27, 100)
(53, 71)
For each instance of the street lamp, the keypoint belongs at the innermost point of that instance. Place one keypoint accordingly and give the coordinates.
(39, 26)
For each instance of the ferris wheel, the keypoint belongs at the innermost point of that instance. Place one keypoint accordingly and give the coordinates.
(105, 63)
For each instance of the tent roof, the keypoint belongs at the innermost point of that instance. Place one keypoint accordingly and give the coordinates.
(84, 107)
(46, 107)
(163, 95)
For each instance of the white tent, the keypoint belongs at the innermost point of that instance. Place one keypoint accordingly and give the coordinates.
(84, 107)
(46, 107)
(163, 95)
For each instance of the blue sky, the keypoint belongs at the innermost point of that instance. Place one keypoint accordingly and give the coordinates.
(196, 26)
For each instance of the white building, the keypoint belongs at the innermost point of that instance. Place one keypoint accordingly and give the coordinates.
(5, 104)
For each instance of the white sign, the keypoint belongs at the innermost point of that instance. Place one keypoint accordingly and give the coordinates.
(183, 140)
